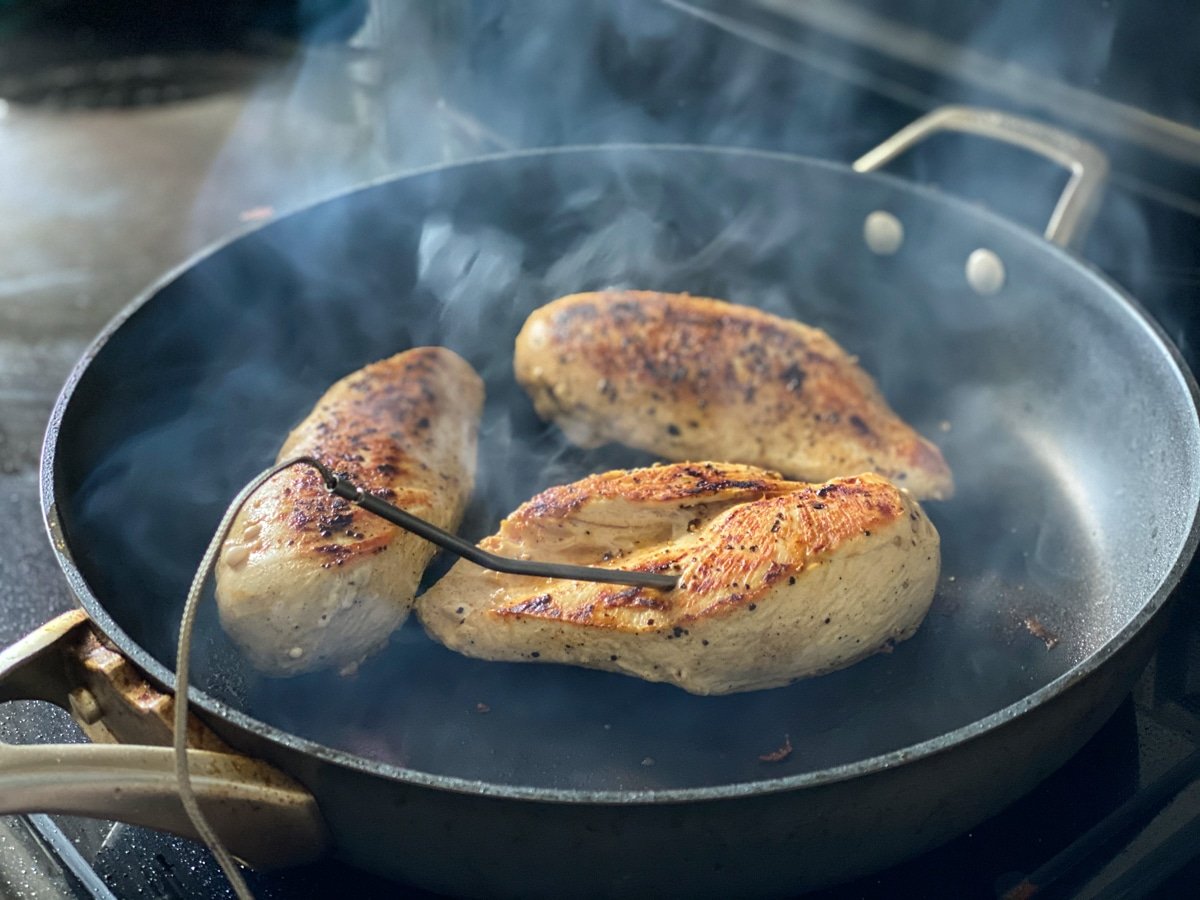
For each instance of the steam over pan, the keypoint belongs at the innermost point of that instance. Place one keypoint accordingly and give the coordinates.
(1068, 419)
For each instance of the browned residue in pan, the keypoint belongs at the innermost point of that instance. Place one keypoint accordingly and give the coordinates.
(780, 754)
(1038, 630)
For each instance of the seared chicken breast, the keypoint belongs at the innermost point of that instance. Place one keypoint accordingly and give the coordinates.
(307, 580)
(778, 580)
(691, 378)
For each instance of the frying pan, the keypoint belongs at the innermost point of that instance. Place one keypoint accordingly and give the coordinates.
(1068, 418)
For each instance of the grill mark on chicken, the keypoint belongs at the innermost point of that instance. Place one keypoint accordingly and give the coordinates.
(630, 366)
(542, 604)
(778, 581)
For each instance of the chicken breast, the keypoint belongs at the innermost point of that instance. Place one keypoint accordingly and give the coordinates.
(307, 580)
(778, 580)
(691, 378)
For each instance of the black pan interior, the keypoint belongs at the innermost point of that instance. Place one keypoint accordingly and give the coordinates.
(1071, 432)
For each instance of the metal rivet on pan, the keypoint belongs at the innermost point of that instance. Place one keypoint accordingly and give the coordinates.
(85, 706)
(985, 272)
(883, 233)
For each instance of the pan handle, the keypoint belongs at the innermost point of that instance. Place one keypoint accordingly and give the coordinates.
(266, 824)
(267, 819)
(1087, 163)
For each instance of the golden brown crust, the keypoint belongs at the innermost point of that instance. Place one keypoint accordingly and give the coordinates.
(771, 536)
(694, 349)
(374, 427)
(306, 579)
(688, 376)
(778, 580)
(758, 544)
(692, 481)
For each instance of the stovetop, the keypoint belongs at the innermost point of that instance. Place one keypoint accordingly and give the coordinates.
(125, 149)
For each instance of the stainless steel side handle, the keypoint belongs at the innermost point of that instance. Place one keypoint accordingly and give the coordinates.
(266, 818)
(1087, 163)
(267, 821)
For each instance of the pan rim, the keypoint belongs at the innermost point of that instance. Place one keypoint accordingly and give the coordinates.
(96, 610)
